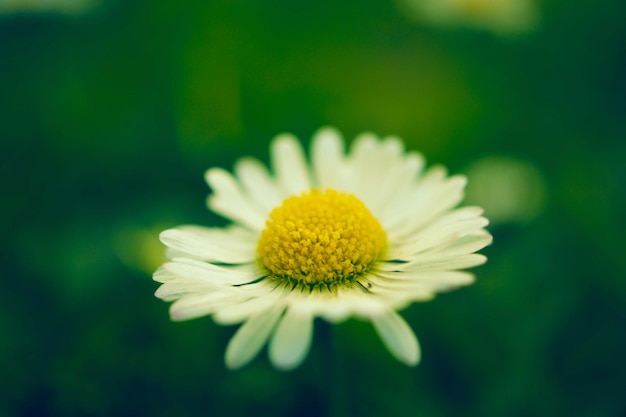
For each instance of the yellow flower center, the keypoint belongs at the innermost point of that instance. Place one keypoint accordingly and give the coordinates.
(320, 238)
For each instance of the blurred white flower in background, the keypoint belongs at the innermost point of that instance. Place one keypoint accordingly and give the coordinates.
(504, 17)
(509, 189)
(71, 7)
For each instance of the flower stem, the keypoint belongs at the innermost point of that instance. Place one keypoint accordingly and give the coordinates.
(332, 376)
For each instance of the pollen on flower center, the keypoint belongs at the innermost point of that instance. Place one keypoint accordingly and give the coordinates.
(320, 237)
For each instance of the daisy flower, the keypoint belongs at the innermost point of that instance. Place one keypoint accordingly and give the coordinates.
(362, 234)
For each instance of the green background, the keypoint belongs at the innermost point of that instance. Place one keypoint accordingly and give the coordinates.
(108, 120)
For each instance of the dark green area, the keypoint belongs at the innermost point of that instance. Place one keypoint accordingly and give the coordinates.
(109, 119)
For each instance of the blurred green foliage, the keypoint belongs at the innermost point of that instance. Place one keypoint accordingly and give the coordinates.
(108, 119)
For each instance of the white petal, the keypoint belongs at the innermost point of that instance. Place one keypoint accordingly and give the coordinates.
(432, 197)
(251, 337)
(398, 337)
(258, 183)
(230, 245)
(370, 163)
(229, 200)
(327, 159)
(197, 305)
(329, 307)
(469, 243)
(178, 288)
(452, 226)
(338, 306)
(438, 235)
(440, 263)
(162, 275)
(400, 177)
(217, 275)
(336, 315)
(446, 197)
(405, 292)
(422, 283)
(455, 278)
(254, 301)
(457, 216)
(444, 264)
(292, 340)
(365, 306)
(392, 288)
(290, 165)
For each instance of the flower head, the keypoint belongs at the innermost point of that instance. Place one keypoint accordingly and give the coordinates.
(363, 234)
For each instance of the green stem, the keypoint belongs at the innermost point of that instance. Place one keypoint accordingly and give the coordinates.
(332, 377)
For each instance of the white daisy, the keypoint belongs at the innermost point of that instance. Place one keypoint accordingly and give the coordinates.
(362, 234)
